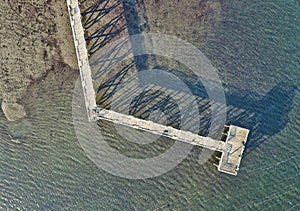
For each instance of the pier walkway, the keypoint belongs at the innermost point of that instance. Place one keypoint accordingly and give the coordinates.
(82, 57)
(232, 149)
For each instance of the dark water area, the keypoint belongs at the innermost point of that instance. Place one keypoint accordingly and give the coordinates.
(256, 49)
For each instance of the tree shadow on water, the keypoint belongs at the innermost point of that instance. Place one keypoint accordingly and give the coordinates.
(265, 117)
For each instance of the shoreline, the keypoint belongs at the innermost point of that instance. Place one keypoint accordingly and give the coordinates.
(37, 40)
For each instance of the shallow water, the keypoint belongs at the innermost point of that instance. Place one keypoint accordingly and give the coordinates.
(256, 51)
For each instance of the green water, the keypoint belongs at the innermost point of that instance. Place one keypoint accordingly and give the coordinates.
(256, 49)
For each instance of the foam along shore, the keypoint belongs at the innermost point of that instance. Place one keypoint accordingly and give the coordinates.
(13, 111)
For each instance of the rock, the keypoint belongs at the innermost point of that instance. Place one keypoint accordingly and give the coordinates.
(13, 111)
(19, 129)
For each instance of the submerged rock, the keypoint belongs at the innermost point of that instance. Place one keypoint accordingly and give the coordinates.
(19, 129)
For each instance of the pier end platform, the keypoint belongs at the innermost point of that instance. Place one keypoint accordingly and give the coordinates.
(230, 161)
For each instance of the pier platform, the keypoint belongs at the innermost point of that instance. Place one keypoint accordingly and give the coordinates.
(230, 161)
(232, 149)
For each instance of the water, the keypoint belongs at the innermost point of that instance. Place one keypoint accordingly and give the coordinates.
(256, 50)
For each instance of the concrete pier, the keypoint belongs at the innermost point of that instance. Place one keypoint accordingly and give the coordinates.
(232, 149)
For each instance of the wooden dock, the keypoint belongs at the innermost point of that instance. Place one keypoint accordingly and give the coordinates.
(232, 149)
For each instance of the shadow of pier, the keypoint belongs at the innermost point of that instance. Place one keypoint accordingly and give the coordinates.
(265, 117)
